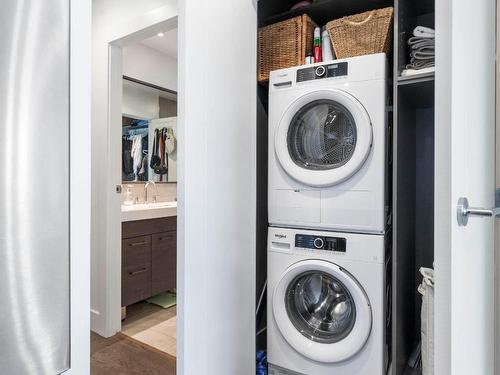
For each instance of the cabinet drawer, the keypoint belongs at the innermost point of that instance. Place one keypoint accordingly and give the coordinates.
(164, 261)
(136, 251)
(136, 284)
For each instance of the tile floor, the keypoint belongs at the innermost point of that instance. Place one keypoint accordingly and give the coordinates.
(152, 325)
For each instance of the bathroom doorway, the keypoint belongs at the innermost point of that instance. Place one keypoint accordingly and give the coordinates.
(134, 275)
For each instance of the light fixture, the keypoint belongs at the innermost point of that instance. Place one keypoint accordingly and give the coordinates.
(160, 34)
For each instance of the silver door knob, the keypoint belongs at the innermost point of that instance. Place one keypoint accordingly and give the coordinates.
(463, 211)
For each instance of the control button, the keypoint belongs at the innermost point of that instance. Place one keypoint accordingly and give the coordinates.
(320, 71)
(318, 243)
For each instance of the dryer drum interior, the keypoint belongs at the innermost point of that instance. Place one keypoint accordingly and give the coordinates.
(322, 135)
(320, 307)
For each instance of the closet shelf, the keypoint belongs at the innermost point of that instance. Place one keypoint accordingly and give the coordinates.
(323, 11)
(417, 78)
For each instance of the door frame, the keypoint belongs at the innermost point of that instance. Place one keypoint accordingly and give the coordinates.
(106, 246)
(80, 170)
(114, 267)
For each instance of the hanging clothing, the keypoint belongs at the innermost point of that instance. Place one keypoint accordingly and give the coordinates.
(142, 174)
(127, 161)
(136, 153)
(171, 142)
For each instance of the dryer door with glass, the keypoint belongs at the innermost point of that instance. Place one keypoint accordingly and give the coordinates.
(323, 138)
(322, 311)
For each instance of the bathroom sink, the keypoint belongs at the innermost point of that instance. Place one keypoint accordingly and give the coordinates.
(144, 211)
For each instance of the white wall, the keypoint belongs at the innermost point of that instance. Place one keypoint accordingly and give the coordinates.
(112, 21)
(217, 187)
(149, 65)
(140, 103)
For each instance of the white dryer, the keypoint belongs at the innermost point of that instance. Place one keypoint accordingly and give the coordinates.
(328, 145)
(326, 303)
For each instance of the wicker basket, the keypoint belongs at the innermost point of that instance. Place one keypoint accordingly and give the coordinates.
(284, 44)
(362, 34)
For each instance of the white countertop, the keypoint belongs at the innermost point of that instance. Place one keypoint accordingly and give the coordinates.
(145, 211)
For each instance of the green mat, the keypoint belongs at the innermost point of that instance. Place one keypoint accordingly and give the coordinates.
(165, 300)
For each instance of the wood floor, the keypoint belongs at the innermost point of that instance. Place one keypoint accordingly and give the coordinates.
(121, 355)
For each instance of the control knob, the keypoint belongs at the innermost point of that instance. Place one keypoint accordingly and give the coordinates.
(318, 243)
(320, 71)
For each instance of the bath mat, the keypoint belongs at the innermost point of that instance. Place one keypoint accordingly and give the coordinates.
(165, 300)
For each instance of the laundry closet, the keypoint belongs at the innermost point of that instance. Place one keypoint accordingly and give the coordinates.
(405, 208)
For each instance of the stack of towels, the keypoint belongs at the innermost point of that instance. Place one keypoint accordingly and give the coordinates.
(422, 54)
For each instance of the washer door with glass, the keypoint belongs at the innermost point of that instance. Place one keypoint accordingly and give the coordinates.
(323, 138)
(322, 311)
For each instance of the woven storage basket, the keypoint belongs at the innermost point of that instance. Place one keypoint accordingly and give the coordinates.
(362, 34)
(284, 44)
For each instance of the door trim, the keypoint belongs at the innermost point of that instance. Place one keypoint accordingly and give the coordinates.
(80, 169)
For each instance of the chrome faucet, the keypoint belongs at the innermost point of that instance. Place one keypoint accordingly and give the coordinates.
(146, 191)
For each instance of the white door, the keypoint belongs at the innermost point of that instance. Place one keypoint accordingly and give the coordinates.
(216, 187)
(465, 167)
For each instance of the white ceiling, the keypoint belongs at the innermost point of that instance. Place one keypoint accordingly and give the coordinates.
(167, 44)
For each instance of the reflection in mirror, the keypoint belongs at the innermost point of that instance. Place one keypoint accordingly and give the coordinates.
(149, 132)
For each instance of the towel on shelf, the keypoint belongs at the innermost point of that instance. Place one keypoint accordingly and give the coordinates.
(423, 31)
(420, 43)
(412, 72)
(422, 48)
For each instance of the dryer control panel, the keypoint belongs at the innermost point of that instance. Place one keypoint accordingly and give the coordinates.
(320, 242)
(322, 71)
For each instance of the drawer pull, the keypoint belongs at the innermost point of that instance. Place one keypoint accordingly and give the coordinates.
(142, 270)
(138, 243)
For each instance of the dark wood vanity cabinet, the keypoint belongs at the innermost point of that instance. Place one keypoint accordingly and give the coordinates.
(149, 258)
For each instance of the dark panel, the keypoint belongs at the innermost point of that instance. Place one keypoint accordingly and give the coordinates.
(414, 225)
(144, 227)
(321, 11)
(262, 218)
(404, 234)
(164, 261)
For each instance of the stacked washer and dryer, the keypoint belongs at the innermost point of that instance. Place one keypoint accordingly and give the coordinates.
(328, 216)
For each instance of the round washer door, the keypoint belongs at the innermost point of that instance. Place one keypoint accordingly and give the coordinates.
(323, 138)
(322, 311)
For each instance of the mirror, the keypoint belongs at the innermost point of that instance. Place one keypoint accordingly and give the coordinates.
(149, 132)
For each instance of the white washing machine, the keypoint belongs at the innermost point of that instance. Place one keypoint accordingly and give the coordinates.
(326, 303)
(327, 145)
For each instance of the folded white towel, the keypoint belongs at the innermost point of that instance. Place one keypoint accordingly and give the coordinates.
(416, 42)
(412, 72)
(425, 32)
(420, 64)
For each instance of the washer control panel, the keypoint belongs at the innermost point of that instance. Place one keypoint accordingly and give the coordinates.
(307, 241)
(322, 71)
